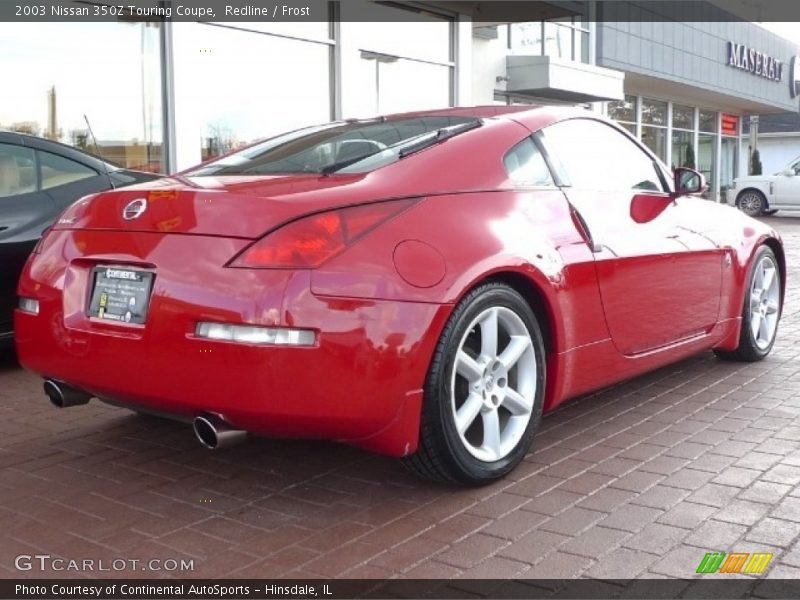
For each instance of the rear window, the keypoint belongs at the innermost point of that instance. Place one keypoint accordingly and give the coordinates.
(350, 147)
(17, 171)
(526, 166)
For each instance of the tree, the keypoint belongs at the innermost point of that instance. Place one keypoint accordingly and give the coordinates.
(689, 162)
(755, 163)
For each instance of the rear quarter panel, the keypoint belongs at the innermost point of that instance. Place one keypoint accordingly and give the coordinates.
(480, 235)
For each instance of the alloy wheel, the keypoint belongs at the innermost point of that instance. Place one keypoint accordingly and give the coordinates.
(764, 302)
(493, 384)
(751, 204)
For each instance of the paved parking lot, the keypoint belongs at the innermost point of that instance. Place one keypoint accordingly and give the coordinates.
(640, 480)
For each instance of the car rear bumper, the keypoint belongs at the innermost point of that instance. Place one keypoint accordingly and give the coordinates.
(361, 382)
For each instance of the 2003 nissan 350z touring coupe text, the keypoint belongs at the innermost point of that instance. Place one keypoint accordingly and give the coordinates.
(423, 285)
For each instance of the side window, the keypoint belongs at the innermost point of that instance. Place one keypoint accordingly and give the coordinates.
(57, 170)
(17, 170)
(796, 167)
(597, 156)
(525, 165)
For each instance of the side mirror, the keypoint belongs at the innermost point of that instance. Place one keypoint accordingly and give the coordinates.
(689, 182)
(788, 172)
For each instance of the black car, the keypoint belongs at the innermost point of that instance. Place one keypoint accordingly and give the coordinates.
(38, 180)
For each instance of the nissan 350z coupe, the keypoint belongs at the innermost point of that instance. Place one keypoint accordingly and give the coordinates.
(423, 285)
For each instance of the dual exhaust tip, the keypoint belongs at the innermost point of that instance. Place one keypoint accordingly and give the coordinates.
(63, 396)
(210, 430)
(214, 433)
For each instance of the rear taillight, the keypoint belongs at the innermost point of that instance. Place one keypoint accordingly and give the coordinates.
(308, 242)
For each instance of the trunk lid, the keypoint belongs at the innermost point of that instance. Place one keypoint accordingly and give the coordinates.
(238, 207)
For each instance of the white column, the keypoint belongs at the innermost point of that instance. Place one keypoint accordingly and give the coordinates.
(188, 121)
(168, 85)
(668, 153)
(696, 138)
(462, 76)
(638, 117)
(718, 159)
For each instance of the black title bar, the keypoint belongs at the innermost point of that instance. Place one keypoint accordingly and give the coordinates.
(210, 589)
(487, 11)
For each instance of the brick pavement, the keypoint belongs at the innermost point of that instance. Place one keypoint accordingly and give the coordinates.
(639, 480)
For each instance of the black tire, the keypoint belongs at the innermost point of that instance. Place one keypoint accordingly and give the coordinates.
(752, 203)
(441, 454)
(748, 350)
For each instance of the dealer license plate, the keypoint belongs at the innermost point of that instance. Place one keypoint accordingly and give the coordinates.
(120, 294)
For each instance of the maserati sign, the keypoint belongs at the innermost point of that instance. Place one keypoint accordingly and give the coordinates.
(749, 59)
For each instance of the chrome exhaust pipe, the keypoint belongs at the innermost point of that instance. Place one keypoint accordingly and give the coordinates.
(214, 433)
(63, 396)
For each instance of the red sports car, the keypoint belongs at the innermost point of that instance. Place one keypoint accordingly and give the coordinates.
(424, 285)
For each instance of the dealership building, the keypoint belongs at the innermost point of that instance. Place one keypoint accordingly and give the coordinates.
(164, 96)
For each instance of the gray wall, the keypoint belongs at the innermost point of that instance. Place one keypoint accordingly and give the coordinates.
(691, 51)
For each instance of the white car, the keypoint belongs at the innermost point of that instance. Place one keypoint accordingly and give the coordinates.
(759, 194)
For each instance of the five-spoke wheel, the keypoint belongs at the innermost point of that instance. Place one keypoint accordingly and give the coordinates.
(493, 384)
(765, 297)
(761, 311)
(484, 391)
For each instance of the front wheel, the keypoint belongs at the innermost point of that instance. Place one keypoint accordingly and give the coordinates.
(762, 309)
(752, 203)
(484, 390)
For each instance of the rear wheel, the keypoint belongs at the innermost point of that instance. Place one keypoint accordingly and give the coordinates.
(762, 309)
(752, 203)
(484, 390)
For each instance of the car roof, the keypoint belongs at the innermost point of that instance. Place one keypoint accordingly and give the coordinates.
(532, 116)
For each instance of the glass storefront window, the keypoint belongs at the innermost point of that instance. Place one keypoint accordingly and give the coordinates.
(708, 121)
(397, 30)
(631, 127)
(583, 50)
(654, 112)
(727, 163)
(384, 81)
(526, 38)
(557, 40)
(383, 72)
(623, 110)
(707, 159)
(682, 117)
(565, 38)
(655, 138)
(230, 90)
(682, 151)
(109, 71)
